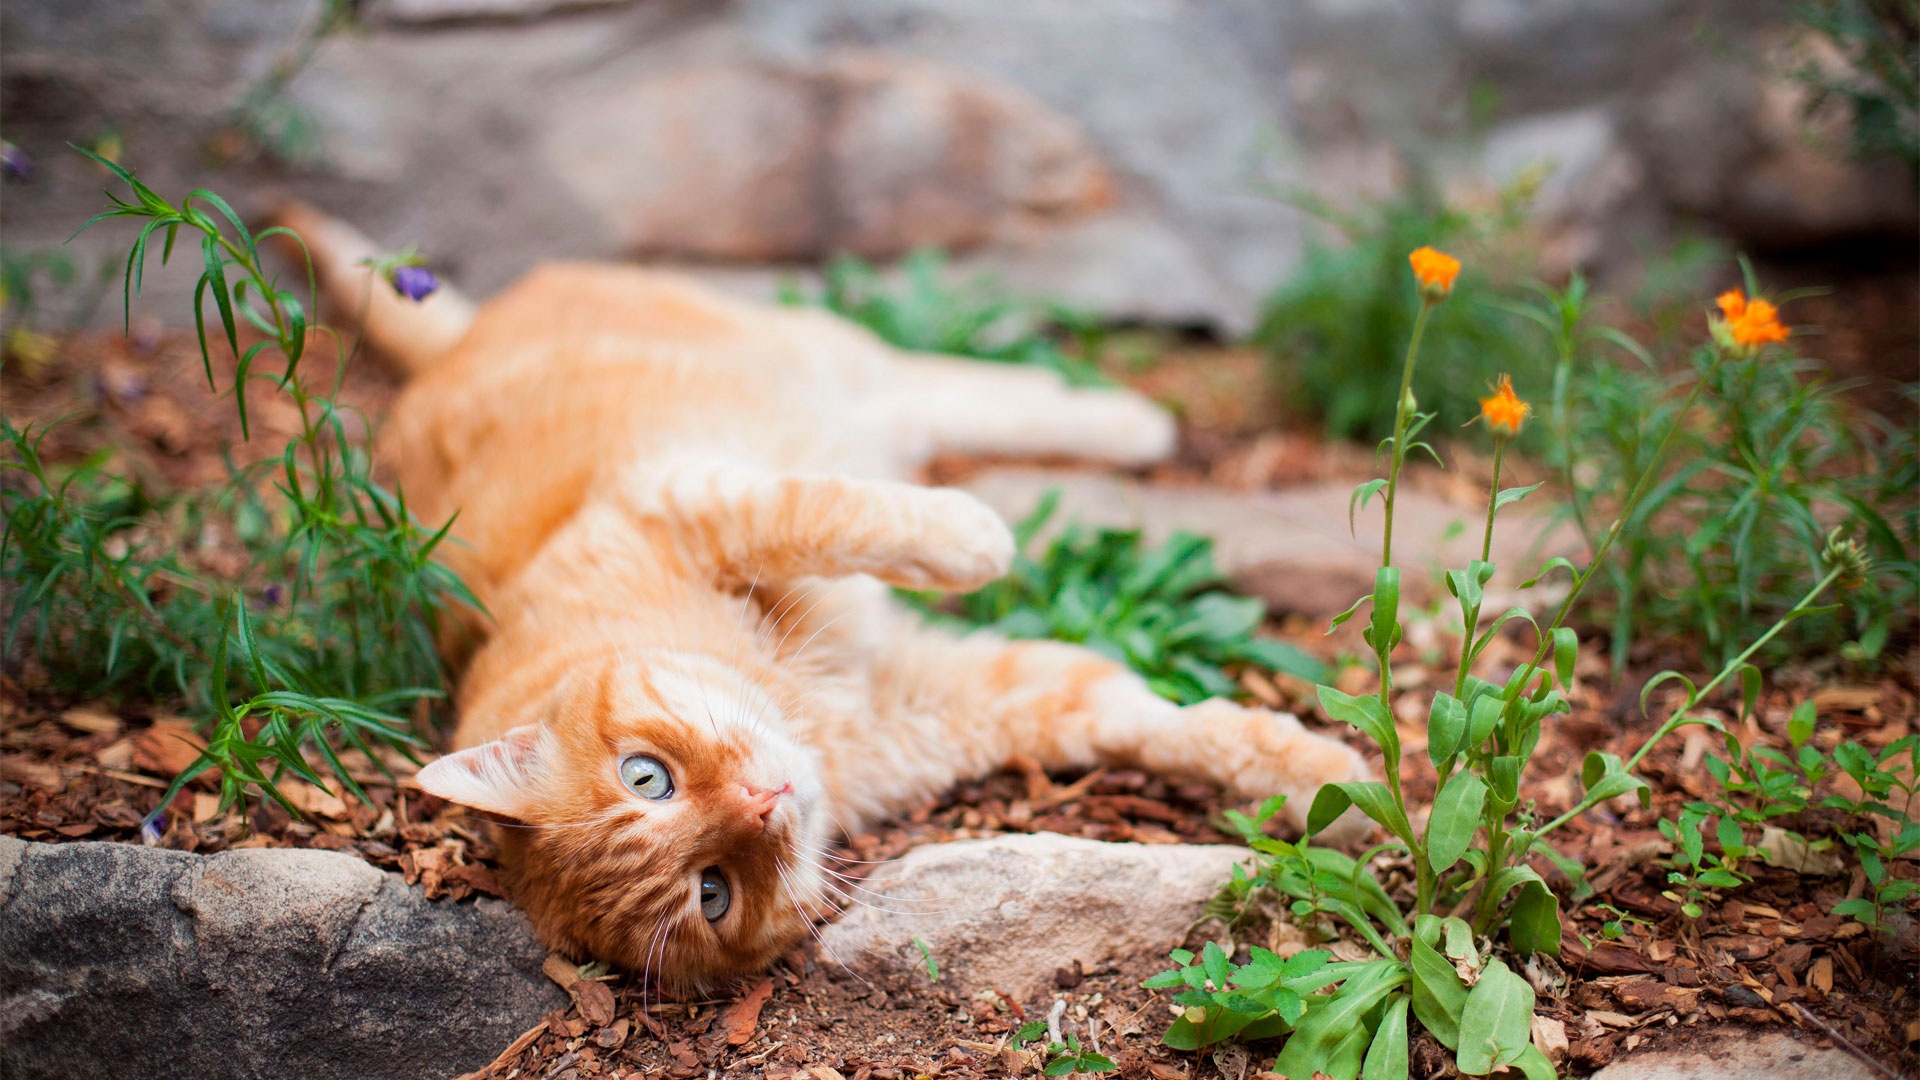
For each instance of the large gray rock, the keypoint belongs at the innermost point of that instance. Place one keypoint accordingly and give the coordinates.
(858, 151)
(1124, 157)
(1004, 913)
(117, 960)
(1739, 1054)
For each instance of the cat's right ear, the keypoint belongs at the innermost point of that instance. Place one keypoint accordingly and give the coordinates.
(494, 776)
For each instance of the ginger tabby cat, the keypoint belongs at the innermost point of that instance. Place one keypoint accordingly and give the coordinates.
(682, 513)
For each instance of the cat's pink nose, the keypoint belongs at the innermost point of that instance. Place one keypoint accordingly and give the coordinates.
(760, 802)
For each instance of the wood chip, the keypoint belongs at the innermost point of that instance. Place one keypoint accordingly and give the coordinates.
(739, 1019)
(93, 721)
(594, 1000)
(1820, 977)
(561, 970)
(1611, 1019)
(167, 748)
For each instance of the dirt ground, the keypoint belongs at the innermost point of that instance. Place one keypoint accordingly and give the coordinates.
(72, 770)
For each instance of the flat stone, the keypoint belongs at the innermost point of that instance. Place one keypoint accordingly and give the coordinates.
(1005, 913)
(1739, 1054)
(1292, 547)
(118, 960)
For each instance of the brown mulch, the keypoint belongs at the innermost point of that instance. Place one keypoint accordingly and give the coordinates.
(1768, 956)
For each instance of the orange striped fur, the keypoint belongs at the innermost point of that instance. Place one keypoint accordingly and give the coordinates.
(682, 513)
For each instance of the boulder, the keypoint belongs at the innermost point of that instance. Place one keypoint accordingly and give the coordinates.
(1738, 1054)
(859, 152)
(118, 960)
(1292, 547)
(1005, 913)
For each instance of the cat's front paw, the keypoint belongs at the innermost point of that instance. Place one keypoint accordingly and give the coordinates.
(960, 544)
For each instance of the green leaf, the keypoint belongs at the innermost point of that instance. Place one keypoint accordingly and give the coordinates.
(1446, 727)
(1384, 630)
(1367, 714)
(1373, 798)
(1359, 500)
(1800, 724)
(1566, 652)
(1438, 995)
(1387, 1057)
(1605, 777)
(1347, 614)
(1513, 495)
(1535, 925)
(1496, 1025)
(1454, 820)
(1557, 562)
(1329, 1028)
(1482, 718)
(1664, 676)
(1749, 690)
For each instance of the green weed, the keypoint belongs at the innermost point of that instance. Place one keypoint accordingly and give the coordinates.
(1159, 610)
(927, 313)
(1771, 459)
(329, 632)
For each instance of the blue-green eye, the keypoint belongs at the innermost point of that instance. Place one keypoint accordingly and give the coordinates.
(716, 896)
(647, 776)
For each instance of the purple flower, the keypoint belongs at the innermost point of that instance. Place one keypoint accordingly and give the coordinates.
(271, 596)
(416, 283)
(14, 162)
(151, 828)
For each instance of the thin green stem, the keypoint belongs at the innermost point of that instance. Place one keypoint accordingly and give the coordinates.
(1679, 715)
(1493, 496)
(1735, 664)
(1639, 491)
(1401, 409)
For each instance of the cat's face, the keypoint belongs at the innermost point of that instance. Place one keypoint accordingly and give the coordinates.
(658, 821)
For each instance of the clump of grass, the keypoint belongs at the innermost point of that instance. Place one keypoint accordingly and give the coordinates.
(1160, 610)
(1336, 328)
(327, 633)
(927, 312)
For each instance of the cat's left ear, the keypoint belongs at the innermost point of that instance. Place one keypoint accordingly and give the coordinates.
(496, 776)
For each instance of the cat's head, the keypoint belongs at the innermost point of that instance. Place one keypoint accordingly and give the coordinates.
(656, 820)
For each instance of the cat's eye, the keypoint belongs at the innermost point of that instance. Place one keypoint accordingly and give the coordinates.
(715, 894)
(647, 776)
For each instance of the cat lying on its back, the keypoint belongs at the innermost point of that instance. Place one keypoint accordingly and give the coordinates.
(682, 514)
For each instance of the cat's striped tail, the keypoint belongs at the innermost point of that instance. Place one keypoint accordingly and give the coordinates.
(413, 334)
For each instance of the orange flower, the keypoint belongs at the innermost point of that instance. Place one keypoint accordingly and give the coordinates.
(1504, 411)
(1751, 323)
(1435, 271)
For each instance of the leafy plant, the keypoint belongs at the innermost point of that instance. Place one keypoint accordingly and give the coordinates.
(327, 631)
(1335, 329)
(1160, 610)
(925, 313)
(264, 117)
(1066, 1056)
(1771, 458)
(1471, 860)
(1878, 78)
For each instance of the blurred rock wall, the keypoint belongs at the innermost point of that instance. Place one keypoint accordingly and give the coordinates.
(1118, 154)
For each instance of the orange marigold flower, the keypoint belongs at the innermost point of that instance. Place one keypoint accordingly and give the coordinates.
(1504, 411)
(1751, 323)
(1435, 271)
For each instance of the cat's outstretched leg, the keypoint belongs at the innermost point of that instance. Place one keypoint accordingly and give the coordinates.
(975, 407)
(981, 700)
(740, 523)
